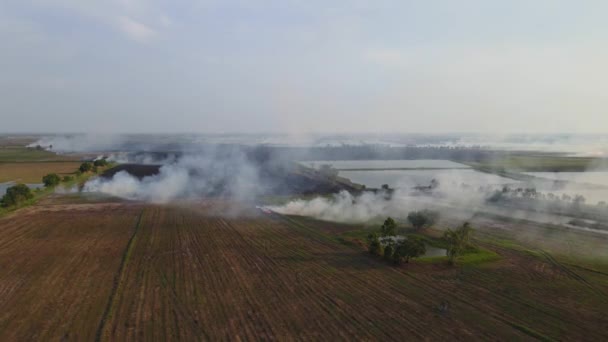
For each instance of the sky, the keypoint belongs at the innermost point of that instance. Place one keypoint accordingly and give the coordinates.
(291, 66)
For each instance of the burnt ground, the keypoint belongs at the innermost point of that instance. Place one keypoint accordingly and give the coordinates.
(284, 179)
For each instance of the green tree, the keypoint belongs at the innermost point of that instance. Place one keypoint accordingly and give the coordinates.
(409, 248)
(16, 195)
(51, 180)
(458, 240)
(100, 162)
(423, 219)
(85, 167)
(388, 228)
(389, 251)
(374, 245)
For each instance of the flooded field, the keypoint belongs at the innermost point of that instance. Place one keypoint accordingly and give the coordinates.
(386, 164)
(411, 178)
(589, 177)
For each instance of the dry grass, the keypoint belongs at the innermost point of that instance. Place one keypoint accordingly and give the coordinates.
(33, 172)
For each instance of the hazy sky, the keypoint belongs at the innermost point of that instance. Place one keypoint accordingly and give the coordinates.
(303, 66)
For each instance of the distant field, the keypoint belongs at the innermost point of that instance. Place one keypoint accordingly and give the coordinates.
(542, 163)
(24, 154)
(33, 172)
(72, 271)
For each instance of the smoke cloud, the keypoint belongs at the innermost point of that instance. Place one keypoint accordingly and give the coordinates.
(210, 173)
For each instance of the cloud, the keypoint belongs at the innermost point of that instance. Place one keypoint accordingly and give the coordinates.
(136, 30)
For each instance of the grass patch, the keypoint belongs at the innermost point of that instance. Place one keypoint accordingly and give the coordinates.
(43, 192)
(537, 163)
(16, 154)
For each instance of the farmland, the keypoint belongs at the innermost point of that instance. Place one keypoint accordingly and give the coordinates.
(73, 272)
(33, 172)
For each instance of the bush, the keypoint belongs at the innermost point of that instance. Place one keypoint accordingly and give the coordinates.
(388, 252)
(389, 228)
(410, 248)
(16, 195)
(423, 219)
(374, 245)
(458, 241)
(85, 167)
(100, 162)
(67, 179)
(50, 180)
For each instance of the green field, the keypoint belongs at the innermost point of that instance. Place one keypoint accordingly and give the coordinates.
(540, 163)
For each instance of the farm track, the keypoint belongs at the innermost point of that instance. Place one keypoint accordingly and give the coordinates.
(118, 279)
(73, 272)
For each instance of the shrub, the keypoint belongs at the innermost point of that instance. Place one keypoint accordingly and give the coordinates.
(67, 179)
(50, 180)
(16, 195)
(423, 219)
(100, 162)
(458, 241)
(410, 248)
(374, 245)
(85, 167)
(389, 228)
(388, 252)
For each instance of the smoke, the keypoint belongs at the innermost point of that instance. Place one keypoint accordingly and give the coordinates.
(211, 173)
(369, 206)
(81, 142)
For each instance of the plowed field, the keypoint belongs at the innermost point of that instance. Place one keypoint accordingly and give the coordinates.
(121, 271)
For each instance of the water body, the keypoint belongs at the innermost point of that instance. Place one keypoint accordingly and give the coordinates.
(387, 164)
(410, 178)
(434, 252)
(589, 177)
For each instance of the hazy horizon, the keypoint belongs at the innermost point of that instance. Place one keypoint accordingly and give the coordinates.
(295, 67)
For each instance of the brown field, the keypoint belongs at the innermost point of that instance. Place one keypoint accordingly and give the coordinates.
(33, 172)
(127, 271)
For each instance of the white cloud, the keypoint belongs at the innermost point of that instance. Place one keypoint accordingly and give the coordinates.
(136, 30)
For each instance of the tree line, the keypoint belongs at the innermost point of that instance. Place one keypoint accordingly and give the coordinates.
(21, 193)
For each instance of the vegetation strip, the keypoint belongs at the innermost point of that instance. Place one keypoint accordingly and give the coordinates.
(118, 279)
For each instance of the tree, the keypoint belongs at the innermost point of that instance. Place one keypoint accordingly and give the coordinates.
(374, 245)
(388, 252)
(458, 240)
(51, 180)
(100, 162)
(422, 219)
(410, 248)
(85, 167)
(389, 228)
(16, 195)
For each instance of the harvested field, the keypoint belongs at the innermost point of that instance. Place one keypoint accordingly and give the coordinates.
(33, 172)
(58, 264)
(190, 273)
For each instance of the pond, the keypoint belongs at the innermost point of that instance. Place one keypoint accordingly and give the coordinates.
(434, 252)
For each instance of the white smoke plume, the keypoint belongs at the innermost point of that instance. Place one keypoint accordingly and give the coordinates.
(206, 174)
